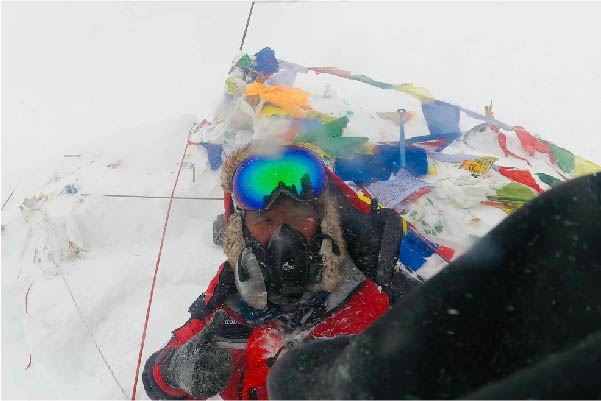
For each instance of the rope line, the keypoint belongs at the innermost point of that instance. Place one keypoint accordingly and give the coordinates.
(7, 199)
(156, 268)
(246, 27)
(153, 197)
(27, 296)
(85, 323)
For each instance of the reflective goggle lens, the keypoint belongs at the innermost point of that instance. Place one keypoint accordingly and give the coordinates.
(259, 175)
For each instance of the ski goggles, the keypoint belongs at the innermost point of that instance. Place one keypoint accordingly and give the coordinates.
(260, 179)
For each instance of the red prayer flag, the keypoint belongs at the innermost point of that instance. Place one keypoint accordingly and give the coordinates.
(331, 70)
(533, 144)
(521, 176)
(502, 138)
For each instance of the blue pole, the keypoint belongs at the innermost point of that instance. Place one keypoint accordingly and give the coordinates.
(402, 140)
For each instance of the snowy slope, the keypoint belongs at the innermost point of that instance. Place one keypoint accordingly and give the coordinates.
(111, 282)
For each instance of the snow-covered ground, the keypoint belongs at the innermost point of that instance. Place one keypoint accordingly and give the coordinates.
(121, 85)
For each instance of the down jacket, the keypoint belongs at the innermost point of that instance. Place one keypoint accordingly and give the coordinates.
(256, 338)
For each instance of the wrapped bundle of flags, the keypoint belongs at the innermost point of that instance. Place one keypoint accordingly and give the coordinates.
(446, 183)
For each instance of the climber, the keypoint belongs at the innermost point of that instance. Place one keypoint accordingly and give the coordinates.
(305, 258)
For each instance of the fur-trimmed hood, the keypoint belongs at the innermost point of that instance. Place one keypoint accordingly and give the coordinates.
(330, 222)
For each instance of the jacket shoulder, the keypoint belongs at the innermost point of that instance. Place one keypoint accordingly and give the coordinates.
(361, 308)
(220, 289)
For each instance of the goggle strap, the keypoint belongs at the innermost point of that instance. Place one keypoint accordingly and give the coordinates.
(348, 193)
(228, 205)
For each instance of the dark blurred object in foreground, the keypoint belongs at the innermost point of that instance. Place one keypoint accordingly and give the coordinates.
(517, 316)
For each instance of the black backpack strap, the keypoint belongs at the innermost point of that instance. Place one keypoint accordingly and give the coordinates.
(373, 241)
(390, 242)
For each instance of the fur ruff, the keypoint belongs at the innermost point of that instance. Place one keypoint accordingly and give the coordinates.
(231, 165)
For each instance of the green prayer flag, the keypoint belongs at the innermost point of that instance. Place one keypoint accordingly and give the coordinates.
(514, 191)
(329, 138)
(332, 129)
(244, 61)
(565, 158)
(370, 81)
(341, 146)
(549, 179)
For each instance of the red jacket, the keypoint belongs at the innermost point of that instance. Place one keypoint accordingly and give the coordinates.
(255, 339)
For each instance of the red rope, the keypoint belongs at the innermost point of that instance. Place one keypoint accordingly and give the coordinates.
(156, 268)
(26, 299)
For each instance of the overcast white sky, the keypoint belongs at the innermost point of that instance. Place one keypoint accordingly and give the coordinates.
(72, 72)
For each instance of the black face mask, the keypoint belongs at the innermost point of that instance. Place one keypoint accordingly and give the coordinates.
(288, 265)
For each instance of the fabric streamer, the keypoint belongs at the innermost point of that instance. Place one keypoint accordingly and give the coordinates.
(416, 160)
(329, 138)
(549, 179)
(362, 168)
(414, 251)
(244, 62)
(514, 192)
(270, 111)
(532, 144)
(480, 165)
(331, 71)
(367, 168)
(372, 82)
(214, 152)
(506, 206)
(502, 138)
(283, 78)
(521, 176)
(332, 129)
(583, 167)
(442, 118)
(292, 100)
(265, 61)
(419, 93)
(287, 65)
(321, 117)
(565, 158)
(447, 139)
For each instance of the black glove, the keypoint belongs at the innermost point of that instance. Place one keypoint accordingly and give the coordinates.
(198, 367)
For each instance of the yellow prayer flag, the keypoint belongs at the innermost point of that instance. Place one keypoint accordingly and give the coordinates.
(421, 94)
(269, 111)
(480, 165)
(584, 167)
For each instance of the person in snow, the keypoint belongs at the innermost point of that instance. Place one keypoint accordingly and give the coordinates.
(305, 258)
(518, 316)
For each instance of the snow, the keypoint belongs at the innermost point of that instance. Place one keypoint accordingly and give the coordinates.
(112, 281)
(121, 85)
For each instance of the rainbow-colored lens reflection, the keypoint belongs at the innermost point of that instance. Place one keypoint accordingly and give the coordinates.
(259, 175)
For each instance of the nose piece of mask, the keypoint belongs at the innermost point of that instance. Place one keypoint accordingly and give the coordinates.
(287, 251)
(288, 265)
